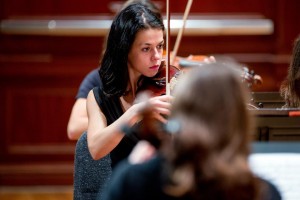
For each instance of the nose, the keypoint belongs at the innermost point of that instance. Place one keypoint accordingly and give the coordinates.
(156, 54)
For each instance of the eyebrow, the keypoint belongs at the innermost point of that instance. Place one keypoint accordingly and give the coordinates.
(148, 44)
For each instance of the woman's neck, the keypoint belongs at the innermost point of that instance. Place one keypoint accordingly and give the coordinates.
(128, 97)
(132, 83)
(127, 101)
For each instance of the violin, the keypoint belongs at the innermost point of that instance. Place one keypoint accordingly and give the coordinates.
(247, 76)
(193, 61)
(157, 84)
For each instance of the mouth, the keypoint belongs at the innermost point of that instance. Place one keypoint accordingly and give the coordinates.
(155, 67)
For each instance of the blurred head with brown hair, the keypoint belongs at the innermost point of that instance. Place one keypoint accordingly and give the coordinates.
(208, 156)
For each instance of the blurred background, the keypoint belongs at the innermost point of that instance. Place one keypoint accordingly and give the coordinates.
(47, 47)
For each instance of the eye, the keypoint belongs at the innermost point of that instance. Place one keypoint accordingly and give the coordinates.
(161, 46)
(146, 49)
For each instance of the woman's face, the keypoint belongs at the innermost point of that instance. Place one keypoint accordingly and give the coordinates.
(145, 55)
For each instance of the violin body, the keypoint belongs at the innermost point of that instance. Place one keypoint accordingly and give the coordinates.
(157, 84)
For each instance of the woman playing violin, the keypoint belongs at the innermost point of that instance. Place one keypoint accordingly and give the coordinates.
(134, 52)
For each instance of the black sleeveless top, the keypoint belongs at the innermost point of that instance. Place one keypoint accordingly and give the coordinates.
(112, 109)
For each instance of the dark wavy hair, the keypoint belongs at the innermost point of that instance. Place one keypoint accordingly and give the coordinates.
(130, 20)
(148, 3)
(290, 87)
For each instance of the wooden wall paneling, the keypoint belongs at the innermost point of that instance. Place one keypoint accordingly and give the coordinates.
(3, 131)
(76, 7)
(27, 105)
(287, 28)
(221, 7)
(54, 46)
(225, 45)
(37, 96)
(36, 109)
(2, 14)
(27, 7)
(51, 173)
(285, 19)
(55, 7)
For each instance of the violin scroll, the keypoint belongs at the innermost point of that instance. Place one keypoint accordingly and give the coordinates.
(250, 77)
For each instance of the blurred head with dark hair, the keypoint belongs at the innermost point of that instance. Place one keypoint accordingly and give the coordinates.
(290, 88)
(148, 3)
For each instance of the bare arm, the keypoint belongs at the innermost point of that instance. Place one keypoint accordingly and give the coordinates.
(102, 139)
(78, 121)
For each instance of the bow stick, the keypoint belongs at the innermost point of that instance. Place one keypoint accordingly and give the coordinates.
(180, 33)
(178, 39)
(168, 92)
